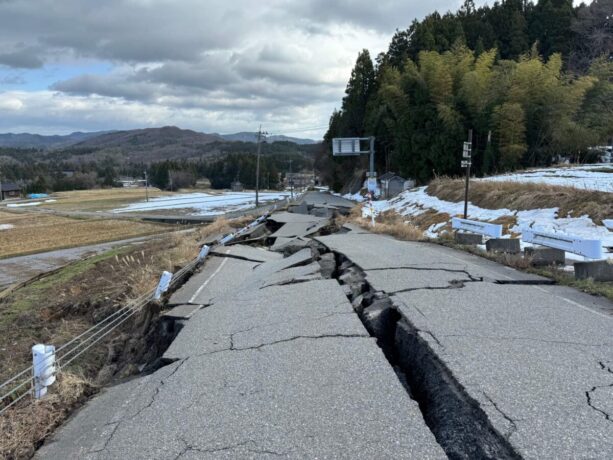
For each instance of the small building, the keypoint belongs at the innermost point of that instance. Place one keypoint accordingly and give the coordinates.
(10, 190)
(237, 186)
(130, 182)
(392, 185)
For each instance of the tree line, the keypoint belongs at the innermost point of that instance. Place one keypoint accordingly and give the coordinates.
(532, 80)
(72, 169)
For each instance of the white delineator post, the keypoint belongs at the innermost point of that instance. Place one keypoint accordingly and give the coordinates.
(43, 368)
(203, 253)
(163, 285)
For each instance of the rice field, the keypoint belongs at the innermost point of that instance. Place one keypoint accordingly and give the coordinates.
(33, 232)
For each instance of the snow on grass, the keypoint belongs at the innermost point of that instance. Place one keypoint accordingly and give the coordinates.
(6, 226)
(598, 177)
(417, 201)
(19, 205)
(204, 204)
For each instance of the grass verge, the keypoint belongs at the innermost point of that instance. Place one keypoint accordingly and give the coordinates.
(60, 306)
(572, 201)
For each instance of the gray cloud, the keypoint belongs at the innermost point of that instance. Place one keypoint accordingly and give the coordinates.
(26, 58)
(218, 63)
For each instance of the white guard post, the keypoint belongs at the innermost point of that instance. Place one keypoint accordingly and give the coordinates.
(203, 253)
(483, 228)
(43, 365)
(163, 285)
(591, 249)
(226, 239)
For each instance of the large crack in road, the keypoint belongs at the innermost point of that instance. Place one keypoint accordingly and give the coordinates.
(457, 421)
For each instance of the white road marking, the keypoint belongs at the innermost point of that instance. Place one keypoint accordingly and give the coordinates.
(576, 304)
(223, 262)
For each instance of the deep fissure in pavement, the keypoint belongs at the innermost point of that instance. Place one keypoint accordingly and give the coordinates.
(457, 421)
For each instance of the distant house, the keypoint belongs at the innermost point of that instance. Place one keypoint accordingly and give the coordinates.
(131, 182)
(237, 186)
(392, 185)
(10, 190)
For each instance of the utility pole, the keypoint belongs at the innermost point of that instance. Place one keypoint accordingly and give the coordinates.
(146, 187)
(1, 194)
(257, 168)
(466, 154)
(291, 179)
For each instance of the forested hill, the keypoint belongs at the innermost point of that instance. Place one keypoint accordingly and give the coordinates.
(533, 81)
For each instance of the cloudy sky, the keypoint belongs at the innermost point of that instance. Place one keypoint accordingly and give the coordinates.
(209, 65)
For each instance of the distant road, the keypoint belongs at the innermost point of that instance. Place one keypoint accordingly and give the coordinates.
(22, 268)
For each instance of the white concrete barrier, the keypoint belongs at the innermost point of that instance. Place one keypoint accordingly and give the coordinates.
(484, 228)
(587, 248)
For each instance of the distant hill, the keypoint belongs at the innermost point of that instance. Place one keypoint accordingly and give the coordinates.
(38, 141)
(252, 137)
(148, 137)
(185, 140)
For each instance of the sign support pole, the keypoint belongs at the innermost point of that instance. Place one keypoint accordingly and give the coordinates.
(470, 137)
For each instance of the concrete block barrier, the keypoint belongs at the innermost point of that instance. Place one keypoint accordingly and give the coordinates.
(599, 270)
(505, 245)
(468, 238)
(545, 256)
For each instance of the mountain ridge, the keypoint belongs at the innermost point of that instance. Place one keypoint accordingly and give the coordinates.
(125, 138)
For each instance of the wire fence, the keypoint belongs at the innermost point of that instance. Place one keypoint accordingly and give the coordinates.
(27, 382)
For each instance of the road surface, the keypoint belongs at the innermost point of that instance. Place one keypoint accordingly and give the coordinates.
(401, 350)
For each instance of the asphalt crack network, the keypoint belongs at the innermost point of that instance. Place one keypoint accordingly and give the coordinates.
(255, 449)
(453, 284)
(234, 256)
(152, 400)
(428, 269)
(511, 421)
(589, 393)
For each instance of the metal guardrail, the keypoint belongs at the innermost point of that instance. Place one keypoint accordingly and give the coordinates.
(32, 380)
(591, 249)
(483, 228)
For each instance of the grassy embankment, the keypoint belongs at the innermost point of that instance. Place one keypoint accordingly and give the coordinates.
(60, 306)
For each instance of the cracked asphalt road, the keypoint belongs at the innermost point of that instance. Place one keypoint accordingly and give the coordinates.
(285, 371)
(536, 359)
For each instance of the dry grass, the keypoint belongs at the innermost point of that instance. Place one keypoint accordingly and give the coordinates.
(512, 195)
(34, 232)
(24, 427)
(387, 223)
(60, 306)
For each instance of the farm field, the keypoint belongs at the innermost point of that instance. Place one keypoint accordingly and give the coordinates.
(99, 200)
(201, 203)
(32, 232)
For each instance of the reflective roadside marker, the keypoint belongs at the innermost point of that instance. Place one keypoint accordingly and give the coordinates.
(163, 285)
(203, 252)
(43, 365)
